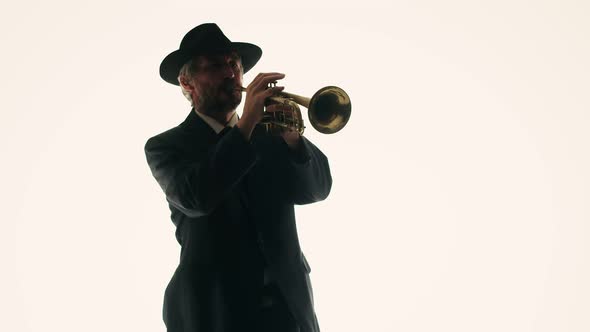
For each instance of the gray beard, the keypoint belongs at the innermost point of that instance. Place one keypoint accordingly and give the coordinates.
(208, 103)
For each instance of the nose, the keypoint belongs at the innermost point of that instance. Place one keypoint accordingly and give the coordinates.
(229, 71)
(230, 68)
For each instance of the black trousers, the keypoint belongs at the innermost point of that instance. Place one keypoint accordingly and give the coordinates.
(274, 314)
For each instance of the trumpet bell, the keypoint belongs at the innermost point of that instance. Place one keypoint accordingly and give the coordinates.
(329, 109)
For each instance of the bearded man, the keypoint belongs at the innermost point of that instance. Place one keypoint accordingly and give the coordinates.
(231, 189)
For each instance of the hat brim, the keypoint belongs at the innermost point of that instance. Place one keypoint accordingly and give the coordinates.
(170, 66)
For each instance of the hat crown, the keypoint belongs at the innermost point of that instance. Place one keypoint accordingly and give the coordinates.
(205, 37)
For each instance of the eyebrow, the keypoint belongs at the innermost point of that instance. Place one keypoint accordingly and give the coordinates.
(234, 56)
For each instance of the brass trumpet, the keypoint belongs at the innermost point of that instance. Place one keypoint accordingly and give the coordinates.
(328, 110)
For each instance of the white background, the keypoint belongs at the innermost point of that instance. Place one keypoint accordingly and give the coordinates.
(461, 186)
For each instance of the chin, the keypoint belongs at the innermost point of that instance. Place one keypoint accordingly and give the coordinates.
(227, 107)
(234, 101)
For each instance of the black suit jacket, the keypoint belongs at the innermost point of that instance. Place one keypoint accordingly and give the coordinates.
(232, 203)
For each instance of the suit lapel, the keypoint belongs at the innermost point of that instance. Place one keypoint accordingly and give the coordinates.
(200, 129)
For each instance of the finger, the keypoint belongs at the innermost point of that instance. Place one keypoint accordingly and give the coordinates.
(255, 80)
(272, 78)
(263, 79)
(272, 91)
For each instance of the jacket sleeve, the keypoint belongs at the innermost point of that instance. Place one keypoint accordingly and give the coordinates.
(197, 184)
(309, 171)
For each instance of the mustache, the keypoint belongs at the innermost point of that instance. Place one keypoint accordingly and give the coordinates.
(230, 86)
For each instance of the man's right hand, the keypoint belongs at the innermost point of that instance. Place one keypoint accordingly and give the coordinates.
(256, 94)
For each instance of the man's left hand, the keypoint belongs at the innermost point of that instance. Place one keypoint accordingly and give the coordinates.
(291, 136)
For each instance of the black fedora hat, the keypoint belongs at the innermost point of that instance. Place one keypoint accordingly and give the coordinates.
(206, 39)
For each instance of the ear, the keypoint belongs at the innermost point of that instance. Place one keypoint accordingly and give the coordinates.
(186, 84)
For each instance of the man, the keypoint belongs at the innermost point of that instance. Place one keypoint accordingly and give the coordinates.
(231, 188)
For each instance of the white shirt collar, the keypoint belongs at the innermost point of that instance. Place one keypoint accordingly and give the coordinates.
(214, 124)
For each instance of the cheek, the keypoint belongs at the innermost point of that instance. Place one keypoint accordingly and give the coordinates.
(204, 88)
